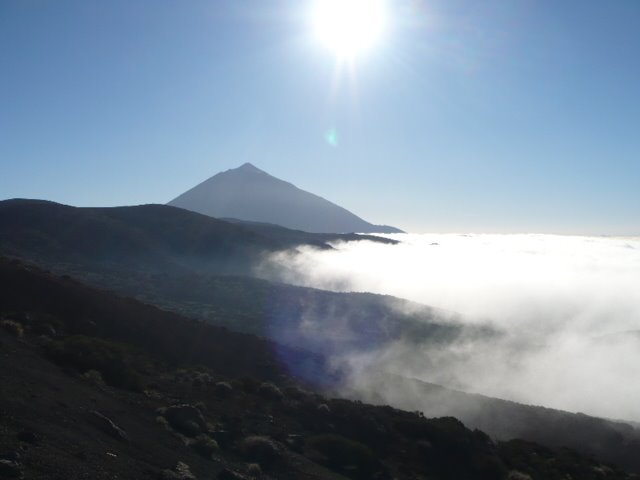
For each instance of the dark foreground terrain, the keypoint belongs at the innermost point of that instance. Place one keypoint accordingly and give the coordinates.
(98, 386)
(205, 269)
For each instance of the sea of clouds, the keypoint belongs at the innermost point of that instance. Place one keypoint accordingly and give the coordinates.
(568, 308)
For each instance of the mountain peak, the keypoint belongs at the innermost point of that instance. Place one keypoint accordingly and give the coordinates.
(248, 193)
(248, 167)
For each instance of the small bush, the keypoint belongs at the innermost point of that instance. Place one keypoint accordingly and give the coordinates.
(204, 445)
(180, 472)
(223, 389)
(201, 379)
(13, 327)
(254, 470)
(260, 449)
(43, 324)
(186, 419)
(516, 475)
(93, 376)
(160, 420)
(112, 360)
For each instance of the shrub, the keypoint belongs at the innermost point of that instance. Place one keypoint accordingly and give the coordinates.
(516, 475)
(341, 452)
(160, 420)
(204, 445)
(180, 472)
(223, 389)
(254, 470)
(112, 360)
(94, 377)
(13, 327)
(201, 379)
(44, 324)
(185, 419)
(260, 449)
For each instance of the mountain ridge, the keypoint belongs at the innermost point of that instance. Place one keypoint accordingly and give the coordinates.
(143, 236)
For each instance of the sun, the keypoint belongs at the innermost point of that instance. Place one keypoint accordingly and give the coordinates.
(348, 27)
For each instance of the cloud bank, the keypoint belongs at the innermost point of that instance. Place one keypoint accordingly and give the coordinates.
(568, 309)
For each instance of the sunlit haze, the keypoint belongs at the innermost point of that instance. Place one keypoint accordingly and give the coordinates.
(348, 27)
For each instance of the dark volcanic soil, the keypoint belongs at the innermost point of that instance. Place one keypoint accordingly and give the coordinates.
(38, 397)
(47, 423)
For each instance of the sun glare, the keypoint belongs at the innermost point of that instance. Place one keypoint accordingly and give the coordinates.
(349, 27)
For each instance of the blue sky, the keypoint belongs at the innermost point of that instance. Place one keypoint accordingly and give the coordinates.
(493, 116)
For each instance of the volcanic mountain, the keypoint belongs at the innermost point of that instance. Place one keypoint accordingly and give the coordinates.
(250, 194)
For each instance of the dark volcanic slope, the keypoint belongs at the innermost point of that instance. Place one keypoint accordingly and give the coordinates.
(145, 237)
(169, 336)
(142, 237)
(613, 441)
(248, 193)
(175, 259)
(161, 402)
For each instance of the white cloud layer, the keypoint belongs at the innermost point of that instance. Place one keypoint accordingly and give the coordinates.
(569, 307)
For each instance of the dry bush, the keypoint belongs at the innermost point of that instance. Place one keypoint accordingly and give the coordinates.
(260, 449)
(254, 470)
(204, 445)
(13, 327)
(223, 389)
(114, 361)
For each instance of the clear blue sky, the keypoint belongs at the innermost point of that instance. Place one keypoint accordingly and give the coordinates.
(509, 116)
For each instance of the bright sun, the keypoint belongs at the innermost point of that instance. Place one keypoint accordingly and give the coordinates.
(348, 27)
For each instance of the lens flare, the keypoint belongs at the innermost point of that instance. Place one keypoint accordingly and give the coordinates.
(331, 137)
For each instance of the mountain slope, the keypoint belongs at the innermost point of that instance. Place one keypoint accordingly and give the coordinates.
(248, 193)
(141, 238)
(613, 441)
(196, 265)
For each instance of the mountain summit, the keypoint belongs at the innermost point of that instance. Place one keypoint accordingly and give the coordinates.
(250, 194)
